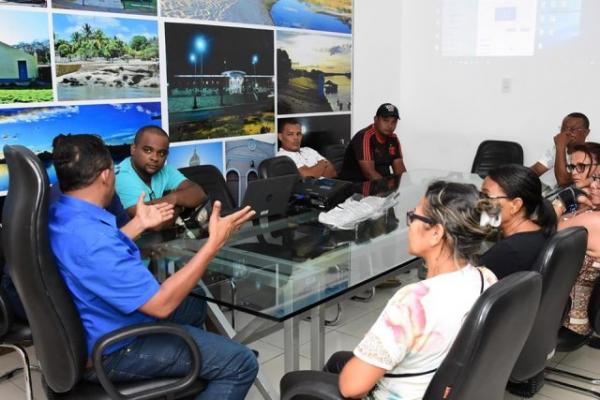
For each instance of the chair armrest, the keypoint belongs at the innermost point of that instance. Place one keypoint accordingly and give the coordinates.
(316, 384)
(143, 330)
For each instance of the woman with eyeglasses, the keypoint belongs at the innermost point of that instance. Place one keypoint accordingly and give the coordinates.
(401, 351)
(588, 216)
(584, 161)
(527, 220)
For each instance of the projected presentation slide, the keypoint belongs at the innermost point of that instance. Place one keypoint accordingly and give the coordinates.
(499, 28)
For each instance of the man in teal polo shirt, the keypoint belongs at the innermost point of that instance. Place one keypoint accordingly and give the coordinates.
(145, 171)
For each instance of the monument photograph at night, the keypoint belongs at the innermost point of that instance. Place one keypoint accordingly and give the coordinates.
(220, 81)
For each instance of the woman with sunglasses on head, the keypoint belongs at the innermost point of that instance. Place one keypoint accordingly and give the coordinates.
(527, 220)
(401, 351)
(588, 216)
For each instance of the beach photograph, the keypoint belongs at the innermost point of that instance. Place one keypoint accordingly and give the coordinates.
(141, 7)
(105, 57)
(220, 81)
(25, 67)
(194, 154)
(321, 15)
(35, 128)
(320, 131)
(313, 73)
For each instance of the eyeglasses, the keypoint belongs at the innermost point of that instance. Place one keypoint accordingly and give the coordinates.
(579, 167)
(487, 196)
(572, 129)
(411, 216)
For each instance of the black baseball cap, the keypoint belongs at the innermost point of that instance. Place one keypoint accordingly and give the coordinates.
(387, 110)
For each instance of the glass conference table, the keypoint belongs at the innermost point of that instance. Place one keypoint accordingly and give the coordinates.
(284, 270)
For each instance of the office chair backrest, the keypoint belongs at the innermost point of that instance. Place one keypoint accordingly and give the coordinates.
(493, 153)
(212, 181)
(55, 324)
(489, 341)
(559, 264)
(277, 166)
(335, 154)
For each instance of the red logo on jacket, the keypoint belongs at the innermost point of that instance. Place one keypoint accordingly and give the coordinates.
(392, 150)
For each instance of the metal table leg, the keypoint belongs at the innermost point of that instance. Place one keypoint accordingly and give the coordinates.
(223, 324)
(291, 344)
(317, 338)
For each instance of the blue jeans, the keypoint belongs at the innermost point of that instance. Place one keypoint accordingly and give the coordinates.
(229, 368)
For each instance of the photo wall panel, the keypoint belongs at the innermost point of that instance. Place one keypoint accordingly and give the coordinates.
(220, 81)
(321, 15)
(242, 158)
(199, 153)
(105, 57)
(313, 73)
(36, 127)
(323, 130)
(232, 68)
(24, 56)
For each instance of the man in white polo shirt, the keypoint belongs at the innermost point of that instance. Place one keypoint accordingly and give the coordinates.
(308, 161)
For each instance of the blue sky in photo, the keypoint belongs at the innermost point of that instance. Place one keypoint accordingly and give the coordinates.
(36, 127)
(12, 23)
(124, 29)
(209, 153)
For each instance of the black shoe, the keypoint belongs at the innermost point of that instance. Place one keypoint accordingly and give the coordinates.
(529, 388)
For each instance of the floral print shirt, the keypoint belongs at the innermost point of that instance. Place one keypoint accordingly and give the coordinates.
(416, 328)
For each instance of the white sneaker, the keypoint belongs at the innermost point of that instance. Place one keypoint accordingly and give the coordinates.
(350, 213)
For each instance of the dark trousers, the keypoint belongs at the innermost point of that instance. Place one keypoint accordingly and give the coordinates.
(229, 368)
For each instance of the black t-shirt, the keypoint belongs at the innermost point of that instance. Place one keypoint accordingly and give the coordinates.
(366, 146)
(515, 253)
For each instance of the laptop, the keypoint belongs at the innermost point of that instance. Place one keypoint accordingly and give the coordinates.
(269, 196)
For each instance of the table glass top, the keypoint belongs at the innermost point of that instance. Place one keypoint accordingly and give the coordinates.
(277, 269)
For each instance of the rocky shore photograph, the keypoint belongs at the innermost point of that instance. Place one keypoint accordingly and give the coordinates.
(323, 15)
(105, 58)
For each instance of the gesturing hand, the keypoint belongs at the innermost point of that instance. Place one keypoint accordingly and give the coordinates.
(221, 228)
(152, 215)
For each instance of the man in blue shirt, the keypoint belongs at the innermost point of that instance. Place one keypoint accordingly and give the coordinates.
(145, 171)
(112, 288)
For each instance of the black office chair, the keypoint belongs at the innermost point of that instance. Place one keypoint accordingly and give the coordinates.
(493, 153)
(480, 359)
(335, 154)
(569, 341)
(14, 334)
(55, 324)
(559, 264)
(277, 166)
(213, 183)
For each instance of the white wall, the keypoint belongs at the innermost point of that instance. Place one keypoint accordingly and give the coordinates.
(376, 66)
(449, 105)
